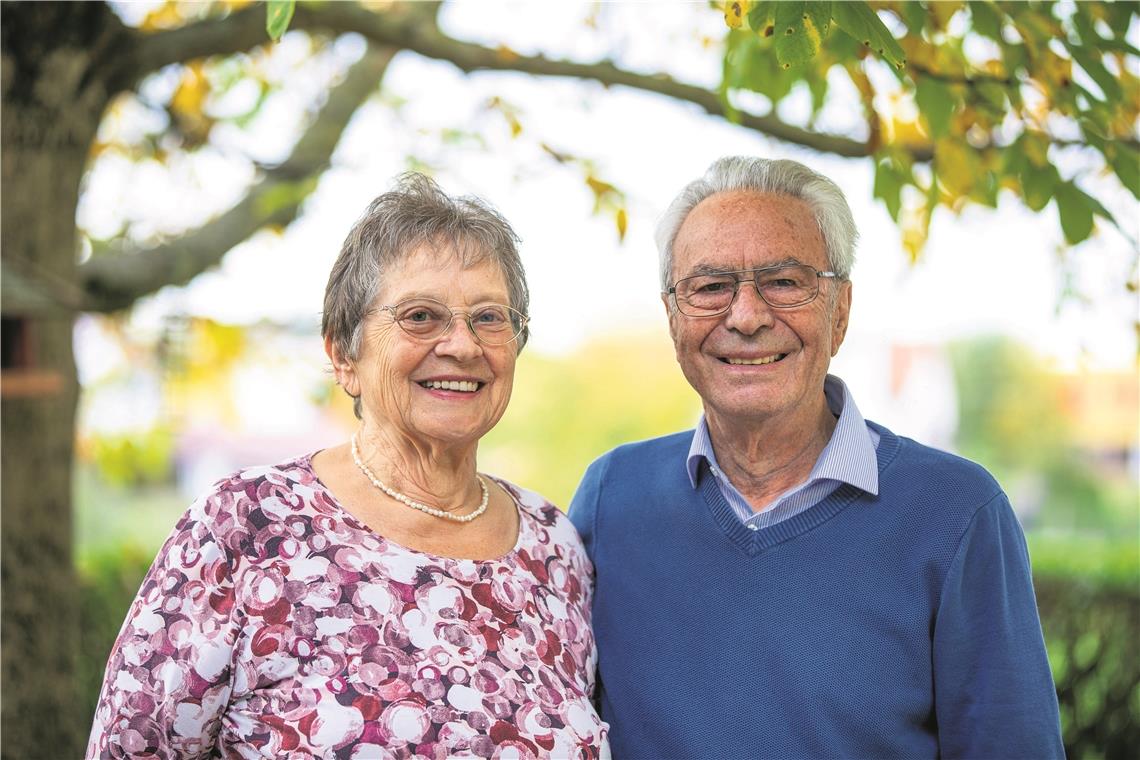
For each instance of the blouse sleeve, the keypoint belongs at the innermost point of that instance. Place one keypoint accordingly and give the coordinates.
(168, 679)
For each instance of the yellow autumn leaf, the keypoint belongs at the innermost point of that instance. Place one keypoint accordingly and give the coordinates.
(907, 133)
(505, 54)
(915, 224)
(943, 11)
(735, 11)
(599, 187)
(957, 166)
(1054, 70)
(189, 101)
(166, 16)
(621, 220)
(1036, 146)
(192, 90)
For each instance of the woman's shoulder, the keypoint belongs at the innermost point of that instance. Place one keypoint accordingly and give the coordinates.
(236, 496)
(541, 510)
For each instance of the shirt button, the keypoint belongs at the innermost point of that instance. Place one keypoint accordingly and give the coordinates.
(753, 527)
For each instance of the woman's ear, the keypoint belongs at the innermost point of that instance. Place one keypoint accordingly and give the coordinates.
(343, 370)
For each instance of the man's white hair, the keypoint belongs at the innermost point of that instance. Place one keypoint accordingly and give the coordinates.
(777, 177)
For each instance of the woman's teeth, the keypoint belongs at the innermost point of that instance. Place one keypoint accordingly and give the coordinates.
(765, 360)
(464, 386)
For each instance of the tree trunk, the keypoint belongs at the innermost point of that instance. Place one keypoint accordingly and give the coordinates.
(55, 88)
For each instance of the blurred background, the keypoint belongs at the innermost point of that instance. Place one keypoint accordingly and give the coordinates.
(170, 216)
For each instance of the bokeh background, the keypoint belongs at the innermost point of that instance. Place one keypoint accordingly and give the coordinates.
(978, 326)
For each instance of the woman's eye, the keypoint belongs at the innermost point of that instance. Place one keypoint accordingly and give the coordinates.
(491, 317)
(419, 315)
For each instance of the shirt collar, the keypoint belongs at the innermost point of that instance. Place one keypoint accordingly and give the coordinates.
(848, 457)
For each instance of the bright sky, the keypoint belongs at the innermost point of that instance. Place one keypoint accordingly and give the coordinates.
(982, 272)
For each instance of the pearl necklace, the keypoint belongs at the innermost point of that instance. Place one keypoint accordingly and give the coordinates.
(415, 504)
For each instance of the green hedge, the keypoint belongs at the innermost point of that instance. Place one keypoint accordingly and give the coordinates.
(1091, 624)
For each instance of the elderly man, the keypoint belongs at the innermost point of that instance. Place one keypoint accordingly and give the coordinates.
(788, 580)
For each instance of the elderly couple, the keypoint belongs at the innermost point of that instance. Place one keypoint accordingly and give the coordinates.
(787, 580)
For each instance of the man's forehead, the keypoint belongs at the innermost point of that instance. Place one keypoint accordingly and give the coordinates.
(719, 267)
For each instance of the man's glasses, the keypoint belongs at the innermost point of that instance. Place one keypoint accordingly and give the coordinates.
(428, 319)
(781, 287)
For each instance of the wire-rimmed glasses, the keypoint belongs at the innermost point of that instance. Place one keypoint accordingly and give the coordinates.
(785, 286)
(427, 319)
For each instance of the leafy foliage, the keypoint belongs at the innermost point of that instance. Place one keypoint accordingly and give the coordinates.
(962, 100)
(278, 14)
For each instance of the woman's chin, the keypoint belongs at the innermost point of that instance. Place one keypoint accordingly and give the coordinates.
(455, 432)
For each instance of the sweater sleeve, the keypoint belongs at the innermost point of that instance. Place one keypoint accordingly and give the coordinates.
(584, 508)
(168, 681)
(994, 692)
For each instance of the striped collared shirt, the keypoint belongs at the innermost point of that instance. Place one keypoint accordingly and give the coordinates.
(849, 457)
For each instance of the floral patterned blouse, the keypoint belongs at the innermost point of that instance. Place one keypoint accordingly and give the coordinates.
(273, 624)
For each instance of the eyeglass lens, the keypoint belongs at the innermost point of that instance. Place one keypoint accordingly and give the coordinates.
(427, 319)
(786, 286)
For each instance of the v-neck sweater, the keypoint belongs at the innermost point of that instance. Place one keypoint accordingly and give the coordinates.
(901, 624)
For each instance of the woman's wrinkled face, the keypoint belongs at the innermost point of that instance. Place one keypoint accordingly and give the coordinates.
(450, 389)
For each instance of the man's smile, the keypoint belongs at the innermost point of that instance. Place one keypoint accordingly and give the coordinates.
(752, 361)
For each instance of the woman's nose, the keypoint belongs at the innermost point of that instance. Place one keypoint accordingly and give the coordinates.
(459, 340)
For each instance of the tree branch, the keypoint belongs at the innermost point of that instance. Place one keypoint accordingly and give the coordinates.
(413, 27)
(115, 281)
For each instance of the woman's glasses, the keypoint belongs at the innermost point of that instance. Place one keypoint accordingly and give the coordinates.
(427, 319)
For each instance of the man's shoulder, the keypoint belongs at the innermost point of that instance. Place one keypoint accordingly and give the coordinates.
(918, 466)
(663, 451)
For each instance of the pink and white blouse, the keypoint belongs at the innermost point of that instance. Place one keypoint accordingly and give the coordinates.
(273, 624)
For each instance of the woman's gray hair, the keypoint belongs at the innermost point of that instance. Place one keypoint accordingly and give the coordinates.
(777, 177)
(416, 212)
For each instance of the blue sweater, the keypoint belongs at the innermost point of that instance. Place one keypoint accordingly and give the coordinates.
(902, 625)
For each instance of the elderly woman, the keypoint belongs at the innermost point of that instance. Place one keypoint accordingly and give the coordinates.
(380, 598)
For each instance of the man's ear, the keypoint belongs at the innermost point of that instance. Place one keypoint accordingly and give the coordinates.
(672, 315)
(343, 369)
(840, 316)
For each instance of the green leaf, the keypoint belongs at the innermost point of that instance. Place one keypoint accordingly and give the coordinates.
(795, 43)
(993, 95)
(760, 16)
(857, 19)
(1075, 211)
(888, 187)
(1089, 60)
(1120, 17)
(1126, 163)
(751, 65)
(915, 16)
(817, 86)
(278, 14)
(986, 189)
(818, 16)
(936, 103)
(1038, 184)
(986, 19)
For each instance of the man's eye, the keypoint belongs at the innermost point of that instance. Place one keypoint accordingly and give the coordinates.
(712, 287)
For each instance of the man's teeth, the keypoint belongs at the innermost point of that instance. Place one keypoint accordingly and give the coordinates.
(765, 360)
(465, 386)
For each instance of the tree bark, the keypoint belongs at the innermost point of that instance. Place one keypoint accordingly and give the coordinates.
(55, 91)
(62, 63)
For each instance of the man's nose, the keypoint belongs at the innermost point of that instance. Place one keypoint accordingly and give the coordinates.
(749, 312)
